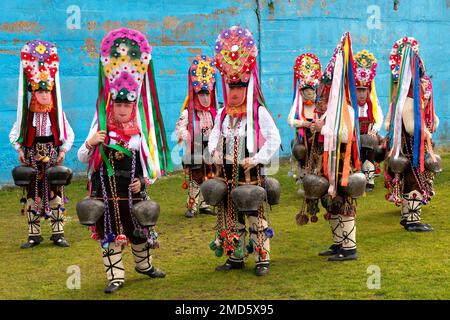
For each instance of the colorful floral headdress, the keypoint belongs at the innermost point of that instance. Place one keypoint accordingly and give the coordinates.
(307, 70)
(201, 76)
(235, 54)
(126, 72)
(366, 68)
(125, 55)
(40, 62)
(202, 73)
(395, 57)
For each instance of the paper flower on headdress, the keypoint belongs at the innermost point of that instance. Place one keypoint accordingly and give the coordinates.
(202, 73)
(125, 56)
(426, 81)
(235, 54)
(395, 57)
(40, 62)
(307, 70)
(366, 68)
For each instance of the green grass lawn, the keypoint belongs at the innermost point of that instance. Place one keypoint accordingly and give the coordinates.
(413, 265)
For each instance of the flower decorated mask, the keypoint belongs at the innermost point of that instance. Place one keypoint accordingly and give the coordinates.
(40, 63)
(125, 56)
(235, 54)
(366, 68)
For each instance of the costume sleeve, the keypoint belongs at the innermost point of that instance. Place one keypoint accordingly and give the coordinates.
(271, 135)
(294, 123)
(181, 126)
(85, 152)
(377, 125)
(67, 145)
(14, 135)
(214, 136)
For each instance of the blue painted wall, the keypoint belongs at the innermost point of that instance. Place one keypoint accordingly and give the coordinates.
(178, 30)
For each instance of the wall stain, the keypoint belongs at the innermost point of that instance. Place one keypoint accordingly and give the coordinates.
(92, 25)
(11, 52)
(21, 27)
(90, 47)
(194, 51)
(169, 72)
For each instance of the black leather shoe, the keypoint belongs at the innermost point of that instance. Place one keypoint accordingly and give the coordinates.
(229, 265)
(344, 255)
(418, 227)
(207, 210)
(189, 213)
(113, 286)
(152, 273)
(262, 269)
(31, 242)
(334, 248)
(58, 240)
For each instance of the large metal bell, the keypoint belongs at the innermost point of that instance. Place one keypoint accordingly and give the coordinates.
(89, 211)
(398, 163)
(299, 151)
(315, 186)
(248, 197)
(273, 190)
(59, 175)
(368, 141)
(213, 191)
(433, 166)
(380, 153)
(23, 175)
(356, 185)
(146, 212)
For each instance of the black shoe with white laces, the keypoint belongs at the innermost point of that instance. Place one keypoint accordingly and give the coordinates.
(113, 286)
